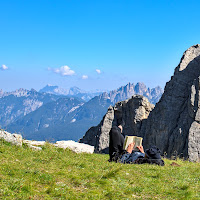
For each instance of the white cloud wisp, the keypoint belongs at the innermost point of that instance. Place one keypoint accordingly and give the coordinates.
(3, 67)
(84, 77)
(64, 71)
(98, 71)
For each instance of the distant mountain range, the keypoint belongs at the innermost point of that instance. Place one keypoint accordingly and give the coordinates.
(17, 104)
(55, 114)
(129, 90)
(73, 91)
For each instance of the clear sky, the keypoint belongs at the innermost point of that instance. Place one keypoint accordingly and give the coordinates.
(96, 44)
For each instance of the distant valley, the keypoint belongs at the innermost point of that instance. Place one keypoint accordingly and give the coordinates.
(57, 114)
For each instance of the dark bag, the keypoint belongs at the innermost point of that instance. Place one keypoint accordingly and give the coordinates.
(153, 153)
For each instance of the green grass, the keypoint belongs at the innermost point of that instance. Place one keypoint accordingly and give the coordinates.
(61, 174)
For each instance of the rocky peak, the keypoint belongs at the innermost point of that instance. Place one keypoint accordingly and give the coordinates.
(155, 91)
(188, 56)
(18, 93)
(174, 124)
(127, 91)
(140, 88)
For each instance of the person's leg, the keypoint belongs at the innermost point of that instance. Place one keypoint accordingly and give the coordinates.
(115, 142)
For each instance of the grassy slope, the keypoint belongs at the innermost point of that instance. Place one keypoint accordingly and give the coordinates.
(61, 174)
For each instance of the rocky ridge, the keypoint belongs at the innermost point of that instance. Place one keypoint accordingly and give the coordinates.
(127, 91)
(18, 93)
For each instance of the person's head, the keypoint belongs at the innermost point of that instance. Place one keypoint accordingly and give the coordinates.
(121, 128)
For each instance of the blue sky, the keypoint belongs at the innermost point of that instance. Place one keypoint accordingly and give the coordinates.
(93, 44)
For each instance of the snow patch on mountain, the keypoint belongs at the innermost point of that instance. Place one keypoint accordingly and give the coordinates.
(73, 120)
(74, 108)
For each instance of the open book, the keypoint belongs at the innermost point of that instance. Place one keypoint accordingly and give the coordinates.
(132, 139)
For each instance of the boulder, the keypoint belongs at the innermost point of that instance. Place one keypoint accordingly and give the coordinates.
(34, 143)
(129, 113)
(35, 147)
(15, 139)
(75, 146)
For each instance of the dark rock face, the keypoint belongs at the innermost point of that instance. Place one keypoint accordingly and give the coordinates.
(174, 124)
(131, 111)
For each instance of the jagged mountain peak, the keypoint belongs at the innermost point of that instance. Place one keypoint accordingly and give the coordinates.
(18, 93)
(140, 88)
(130, 89)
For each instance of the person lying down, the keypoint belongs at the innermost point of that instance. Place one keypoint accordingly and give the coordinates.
(130, 155)
(151, 156)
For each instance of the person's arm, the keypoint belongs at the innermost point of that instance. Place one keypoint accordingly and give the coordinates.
(125, 157)
(130, 147)
(141, 149)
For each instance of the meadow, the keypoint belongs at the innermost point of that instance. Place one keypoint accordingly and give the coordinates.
(55, 173)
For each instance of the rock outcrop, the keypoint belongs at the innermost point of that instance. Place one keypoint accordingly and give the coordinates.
(174, 124)
(35, 145)
(15, 139)
(131, 111)
(75, 146)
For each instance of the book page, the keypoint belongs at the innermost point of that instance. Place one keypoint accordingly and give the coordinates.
(128, 140)
(138, 142)
(132, 139)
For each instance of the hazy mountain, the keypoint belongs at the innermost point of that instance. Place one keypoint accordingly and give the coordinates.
(54, 90)
(72, 92)
(61, 91)
(66, 118)
(69, 118)
(17, 104)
